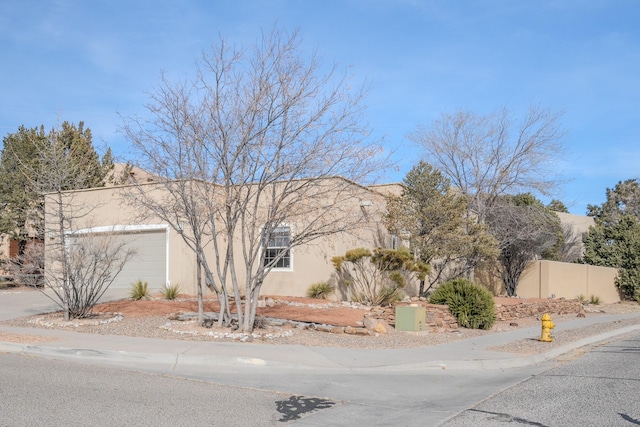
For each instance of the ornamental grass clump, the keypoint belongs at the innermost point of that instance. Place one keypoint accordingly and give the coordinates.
(471, 304)
(170, 292)
(139, 290)
(320, 290)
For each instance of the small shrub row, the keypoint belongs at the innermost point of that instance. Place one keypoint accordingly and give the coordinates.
(593, 299)
(140, 290)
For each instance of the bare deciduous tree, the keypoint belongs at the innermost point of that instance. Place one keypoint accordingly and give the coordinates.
(487, 156)
(28, 268)
(571, 249)
(91, 262)
(79, 266)
(250, 152)
(524, 234)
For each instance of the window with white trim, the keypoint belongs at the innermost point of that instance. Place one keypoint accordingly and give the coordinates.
(278, 247)
(394, 242)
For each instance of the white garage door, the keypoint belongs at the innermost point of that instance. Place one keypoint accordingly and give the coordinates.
(149, 262)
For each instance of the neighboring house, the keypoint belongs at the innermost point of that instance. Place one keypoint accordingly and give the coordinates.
(123, 174)
(162, 257)
(574, 227)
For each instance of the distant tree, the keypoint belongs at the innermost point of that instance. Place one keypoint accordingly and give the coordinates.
(617, 245)
(20, 205)
(526, 231)
(78, 144)
(623, 199)
(554, 253)
(107, 165)
(488, 156)
(21, 166)
(81, 265)
(615, 239)
(253, 143)
(557, 206)
(432, 217)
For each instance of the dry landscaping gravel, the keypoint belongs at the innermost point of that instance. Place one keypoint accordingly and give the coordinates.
(128, 319)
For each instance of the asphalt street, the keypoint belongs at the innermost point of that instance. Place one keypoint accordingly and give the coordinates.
(598, 387)
(93, 379)
(40, 392)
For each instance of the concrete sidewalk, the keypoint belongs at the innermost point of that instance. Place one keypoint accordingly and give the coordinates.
(184, 356)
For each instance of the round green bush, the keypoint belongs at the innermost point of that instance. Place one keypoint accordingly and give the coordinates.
(472, 305)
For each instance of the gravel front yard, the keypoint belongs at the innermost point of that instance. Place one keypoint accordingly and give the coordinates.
(157, 319)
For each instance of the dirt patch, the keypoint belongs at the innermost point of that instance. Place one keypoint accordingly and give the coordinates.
(293, 321)
(315, 311)
(323, 312)
(289, 308)
(24, 339)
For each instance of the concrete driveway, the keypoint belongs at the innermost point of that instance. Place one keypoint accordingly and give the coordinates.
(22, 302)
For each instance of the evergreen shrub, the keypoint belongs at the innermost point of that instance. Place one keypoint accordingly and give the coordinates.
(471, 304)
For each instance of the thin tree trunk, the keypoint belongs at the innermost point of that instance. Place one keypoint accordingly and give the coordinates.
(199, 285)
(65, 259)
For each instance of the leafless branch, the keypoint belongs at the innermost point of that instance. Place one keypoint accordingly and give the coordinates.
(259, 139)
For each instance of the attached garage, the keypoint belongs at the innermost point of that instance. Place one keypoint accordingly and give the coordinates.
(148, 263)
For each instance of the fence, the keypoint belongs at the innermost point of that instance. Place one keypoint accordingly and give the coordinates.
(544, 279)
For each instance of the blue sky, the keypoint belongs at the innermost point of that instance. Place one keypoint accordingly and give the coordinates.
(84, 60)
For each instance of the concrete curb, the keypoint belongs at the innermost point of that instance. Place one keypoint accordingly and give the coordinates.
(171, 361)
(515, 362)
(174, 362)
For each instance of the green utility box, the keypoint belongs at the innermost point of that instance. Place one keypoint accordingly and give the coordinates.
(410, 318)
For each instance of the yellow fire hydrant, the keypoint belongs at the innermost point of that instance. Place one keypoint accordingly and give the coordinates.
(547, 326)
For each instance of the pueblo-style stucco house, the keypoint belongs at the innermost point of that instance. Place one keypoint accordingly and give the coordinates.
(162, 257)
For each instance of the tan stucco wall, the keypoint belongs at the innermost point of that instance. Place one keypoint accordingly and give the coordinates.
(579, 223)
(600, 280)
(545, 279)
(392, 189)
(311, 262)
(574, 227)
(108, 209)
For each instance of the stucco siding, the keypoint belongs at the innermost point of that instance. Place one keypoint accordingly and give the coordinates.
(311, 262)
(551, 279)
